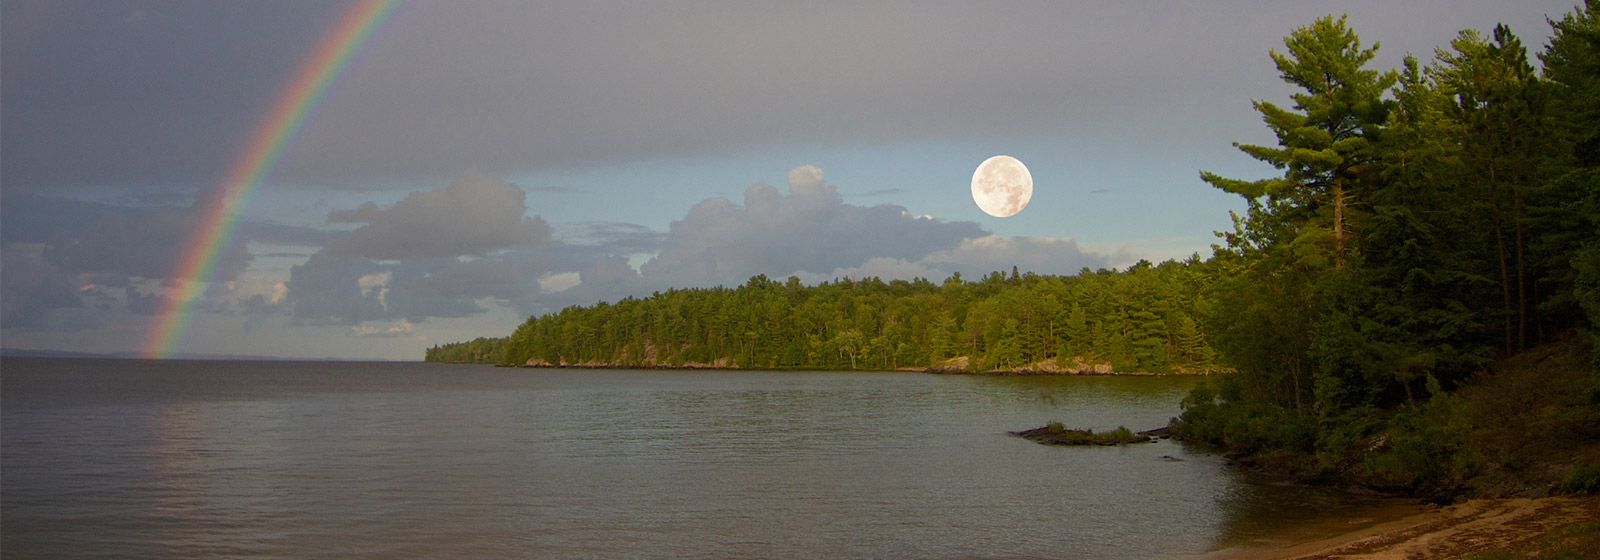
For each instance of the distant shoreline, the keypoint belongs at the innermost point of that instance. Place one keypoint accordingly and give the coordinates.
(927, 370)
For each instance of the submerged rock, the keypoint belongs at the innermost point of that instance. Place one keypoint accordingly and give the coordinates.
(1055, 434)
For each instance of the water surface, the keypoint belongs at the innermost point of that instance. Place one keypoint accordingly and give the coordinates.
(196, 459)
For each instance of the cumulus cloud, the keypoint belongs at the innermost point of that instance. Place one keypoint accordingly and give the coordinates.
(976, 257)
(551, 283)
(811, 229)
(475, 214)
(64, 254)
(401, 328)
(1043, 255)
(882, 268)
(327, 289)
(807, 232)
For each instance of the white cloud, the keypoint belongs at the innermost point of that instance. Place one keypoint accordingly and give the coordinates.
(807, 179)
(401, 328)
(809, 230)
(1043, 255)
(882, 268)
(376, 286)
(552, 283)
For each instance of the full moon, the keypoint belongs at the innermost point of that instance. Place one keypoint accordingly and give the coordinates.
(1002, 186)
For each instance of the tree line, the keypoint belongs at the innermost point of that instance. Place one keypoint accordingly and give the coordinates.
(1429, 224)
(1142, 319)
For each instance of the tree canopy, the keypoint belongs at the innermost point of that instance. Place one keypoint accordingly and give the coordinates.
(1142, 319)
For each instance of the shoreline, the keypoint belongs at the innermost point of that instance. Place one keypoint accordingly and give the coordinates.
(1467, 528)
(923, 370)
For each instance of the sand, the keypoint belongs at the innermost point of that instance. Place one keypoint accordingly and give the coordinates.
(1450, 532)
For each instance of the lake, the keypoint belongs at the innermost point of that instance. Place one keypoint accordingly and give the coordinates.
(205, 459)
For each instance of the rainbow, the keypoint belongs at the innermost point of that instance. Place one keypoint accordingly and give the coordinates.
(220, 210)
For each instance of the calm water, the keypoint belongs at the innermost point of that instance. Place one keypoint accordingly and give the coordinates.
(125, 458)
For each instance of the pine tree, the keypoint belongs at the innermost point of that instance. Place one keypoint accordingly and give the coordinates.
(1496, 101)
(1325, 145)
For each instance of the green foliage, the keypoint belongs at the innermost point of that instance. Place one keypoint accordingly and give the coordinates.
(1429, 224)
(1428, 451)
(1142, 319)
(476, 351)
(1583, 479)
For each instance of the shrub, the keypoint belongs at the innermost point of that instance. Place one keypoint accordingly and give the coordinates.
(1583, 479)
(1428, 451)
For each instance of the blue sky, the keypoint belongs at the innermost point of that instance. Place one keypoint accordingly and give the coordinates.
(653, 145)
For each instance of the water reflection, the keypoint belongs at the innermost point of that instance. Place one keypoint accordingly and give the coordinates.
(194, 460)
(1259, 512)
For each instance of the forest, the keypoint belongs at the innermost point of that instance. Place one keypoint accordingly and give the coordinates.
(1412, 303)
(1142, 319)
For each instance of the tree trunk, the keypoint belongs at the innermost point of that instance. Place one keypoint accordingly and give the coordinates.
(1505, 281)
(1500, 242)
(1522, 282)
(1338, 225)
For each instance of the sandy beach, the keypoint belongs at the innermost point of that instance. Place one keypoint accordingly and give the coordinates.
(1455, 531)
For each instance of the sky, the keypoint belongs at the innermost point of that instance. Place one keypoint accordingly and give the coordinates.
(474, 163)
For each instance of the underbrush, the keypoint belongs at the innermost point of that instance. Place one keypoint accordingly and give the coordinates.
(1529, 427)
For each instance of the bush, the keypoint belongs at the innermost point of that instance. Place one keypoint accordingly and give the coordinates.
(1583, 479)
(1428, 451)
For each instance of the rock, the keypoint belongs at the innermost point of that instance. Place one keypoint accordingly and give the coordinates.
(1056, 435)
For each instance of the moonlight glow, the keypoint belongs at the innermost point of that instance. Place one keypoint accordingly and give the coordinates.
(1002, 186)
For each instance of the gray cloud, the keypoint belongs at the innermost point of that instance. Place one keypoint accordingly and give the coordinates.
(475, 214)
(103, 93)
(365, 213)
(31, 286)
(70, 262)
(87, 237)
(328, 289)
(280, 234)
(433, 254)
(97, 94)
